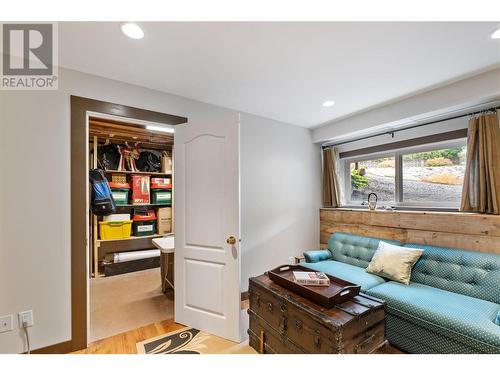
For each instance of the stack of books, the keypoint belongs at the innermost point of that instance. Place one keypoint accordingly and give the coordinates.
(311, 278)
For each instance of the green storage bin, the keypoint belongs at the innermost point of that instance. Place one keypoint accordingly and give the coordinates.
(120, 195)
(161, 196)
(144, 228)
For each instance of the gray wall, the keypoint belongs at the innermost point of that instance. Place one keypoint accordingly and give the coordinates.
(280, 194)
(35, 194)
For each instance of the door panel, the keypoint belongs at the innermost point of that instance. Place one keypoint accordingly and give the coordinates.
(207, 212)
(204, 169)
(207, 273)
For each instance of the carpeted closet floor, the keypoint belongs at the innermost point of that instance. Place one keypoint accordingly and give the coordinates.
(125, 302)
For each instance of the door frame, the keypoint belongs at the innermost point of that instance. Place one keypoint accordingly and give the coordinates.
(80, 107)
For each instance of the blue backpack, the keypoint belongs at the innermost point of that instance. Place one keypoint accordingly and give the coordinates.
(101, 199)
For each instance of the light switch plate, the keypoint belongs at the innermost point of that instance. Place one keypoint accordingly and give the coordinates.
(6, 323)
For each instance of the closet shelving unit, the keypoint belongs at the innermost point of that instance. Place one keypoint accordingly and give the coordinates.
(102, 131)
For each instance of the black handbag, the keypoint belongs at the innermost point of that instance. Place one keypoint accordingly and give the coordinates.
(148, 162)
(108, 157)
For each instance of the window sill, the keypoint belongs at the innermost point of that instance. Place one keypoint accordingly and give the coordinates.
(399, 209)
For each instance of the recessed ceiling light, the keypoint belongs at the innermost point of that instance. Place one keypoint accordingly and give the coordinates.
(132, 30)
(160, 129)
(496, 34)
(328, 103)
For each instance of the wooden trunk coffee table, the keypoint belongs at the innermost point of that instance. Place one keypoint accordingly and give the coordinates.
(284, 322)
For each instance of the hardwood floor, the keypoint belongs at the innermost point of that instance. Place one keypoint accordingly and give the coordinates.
(125, 343)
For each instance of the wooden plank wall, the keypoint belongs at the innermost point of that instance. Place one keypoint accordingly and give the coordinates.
(447, 229)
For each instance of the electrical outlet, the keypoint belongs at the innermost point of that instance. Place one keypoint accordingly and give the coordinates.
(26, 316)
(6, 323)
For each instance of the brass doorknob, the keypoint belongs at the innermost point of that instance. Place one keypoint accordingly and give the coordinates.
(231, 240)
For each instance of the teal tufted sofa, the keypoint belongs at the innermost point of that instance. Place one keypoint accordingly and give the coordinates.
(452, 304)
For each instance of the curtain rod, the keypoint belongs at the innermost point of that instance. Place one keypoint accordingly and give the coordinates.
(391, 132)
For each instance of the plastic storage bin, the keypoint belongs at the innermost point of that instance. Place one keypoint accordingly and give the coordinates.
(144, 223)
(161, 183)
(115, 230)
(161, 196)
(120, 192)
(116, 217)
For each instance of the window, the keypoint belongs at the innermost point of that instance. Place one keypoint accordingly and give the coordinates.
(373, 175)
(434, 176)
(425, 176)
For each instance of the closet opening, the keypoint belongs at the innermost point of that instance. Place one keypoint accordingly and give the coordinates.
(122, 254)
(131, 250)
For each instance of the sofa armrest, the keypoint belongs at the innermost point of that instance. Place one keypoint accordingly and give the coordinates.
(314, 256)
(497, 320)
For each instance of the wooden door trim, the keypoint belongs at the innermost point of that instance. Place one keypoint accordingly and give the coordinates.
(79, 274)
(60, 348)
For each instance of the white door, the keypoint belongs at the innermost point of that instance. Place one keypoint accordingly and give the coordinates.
(207, 219)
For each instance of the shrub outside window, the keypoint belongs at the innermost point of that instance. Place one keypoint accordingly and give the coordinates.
(372, 175)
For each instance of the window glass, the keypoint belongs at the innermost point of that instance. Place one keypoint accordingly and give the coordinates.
(373, 176)
(434, 176)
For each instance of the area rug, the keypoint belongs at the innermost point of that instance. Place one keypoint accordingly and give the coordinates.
(191, 341)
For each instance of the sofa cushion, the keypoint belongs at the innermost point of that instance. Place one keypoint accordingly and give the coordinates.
(353, 274)
(459, 317)
(355, 250)
(411, 336)
(470, 273)
(394, 262)
(313, 256)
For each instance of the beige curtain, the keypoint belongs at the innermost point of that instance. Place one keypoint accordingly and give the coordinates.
(481, 190)
(331, 186)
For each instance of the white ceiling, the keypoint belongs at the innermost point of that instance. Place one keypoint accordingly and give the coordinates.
(284, 71)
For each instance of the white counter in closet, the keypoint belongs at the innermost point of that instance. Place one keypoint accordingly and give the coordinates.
(167, 248)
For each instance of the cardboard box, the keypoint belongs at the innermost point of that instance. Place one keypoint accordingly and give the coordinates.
(164, 212)
(166, 163)
(164, 220)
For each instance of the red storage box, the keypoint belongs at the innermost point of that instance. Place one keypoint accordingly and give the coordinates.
(140, 189)
(161, 183)
(119, 185)
(144, 215)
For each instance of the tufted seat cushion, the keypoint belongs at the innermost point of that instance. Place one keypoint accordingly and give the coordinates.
(449, 322)
(353, 274)
(355, 250)
(469, 273)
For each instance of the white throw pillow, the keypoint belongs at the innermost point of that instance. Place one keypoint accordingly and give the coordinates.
(394, 262)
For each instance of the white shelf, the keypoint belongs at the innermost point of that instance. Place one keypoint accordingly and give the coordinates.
(147, 173)
(143, 205)
(131, 238)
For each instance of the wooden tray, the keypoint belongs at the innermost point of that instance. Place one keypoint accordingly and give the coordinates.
(327, 296)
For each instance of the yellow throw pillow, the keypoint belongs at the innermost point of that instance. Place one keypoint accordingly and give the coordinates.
(394, 262)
